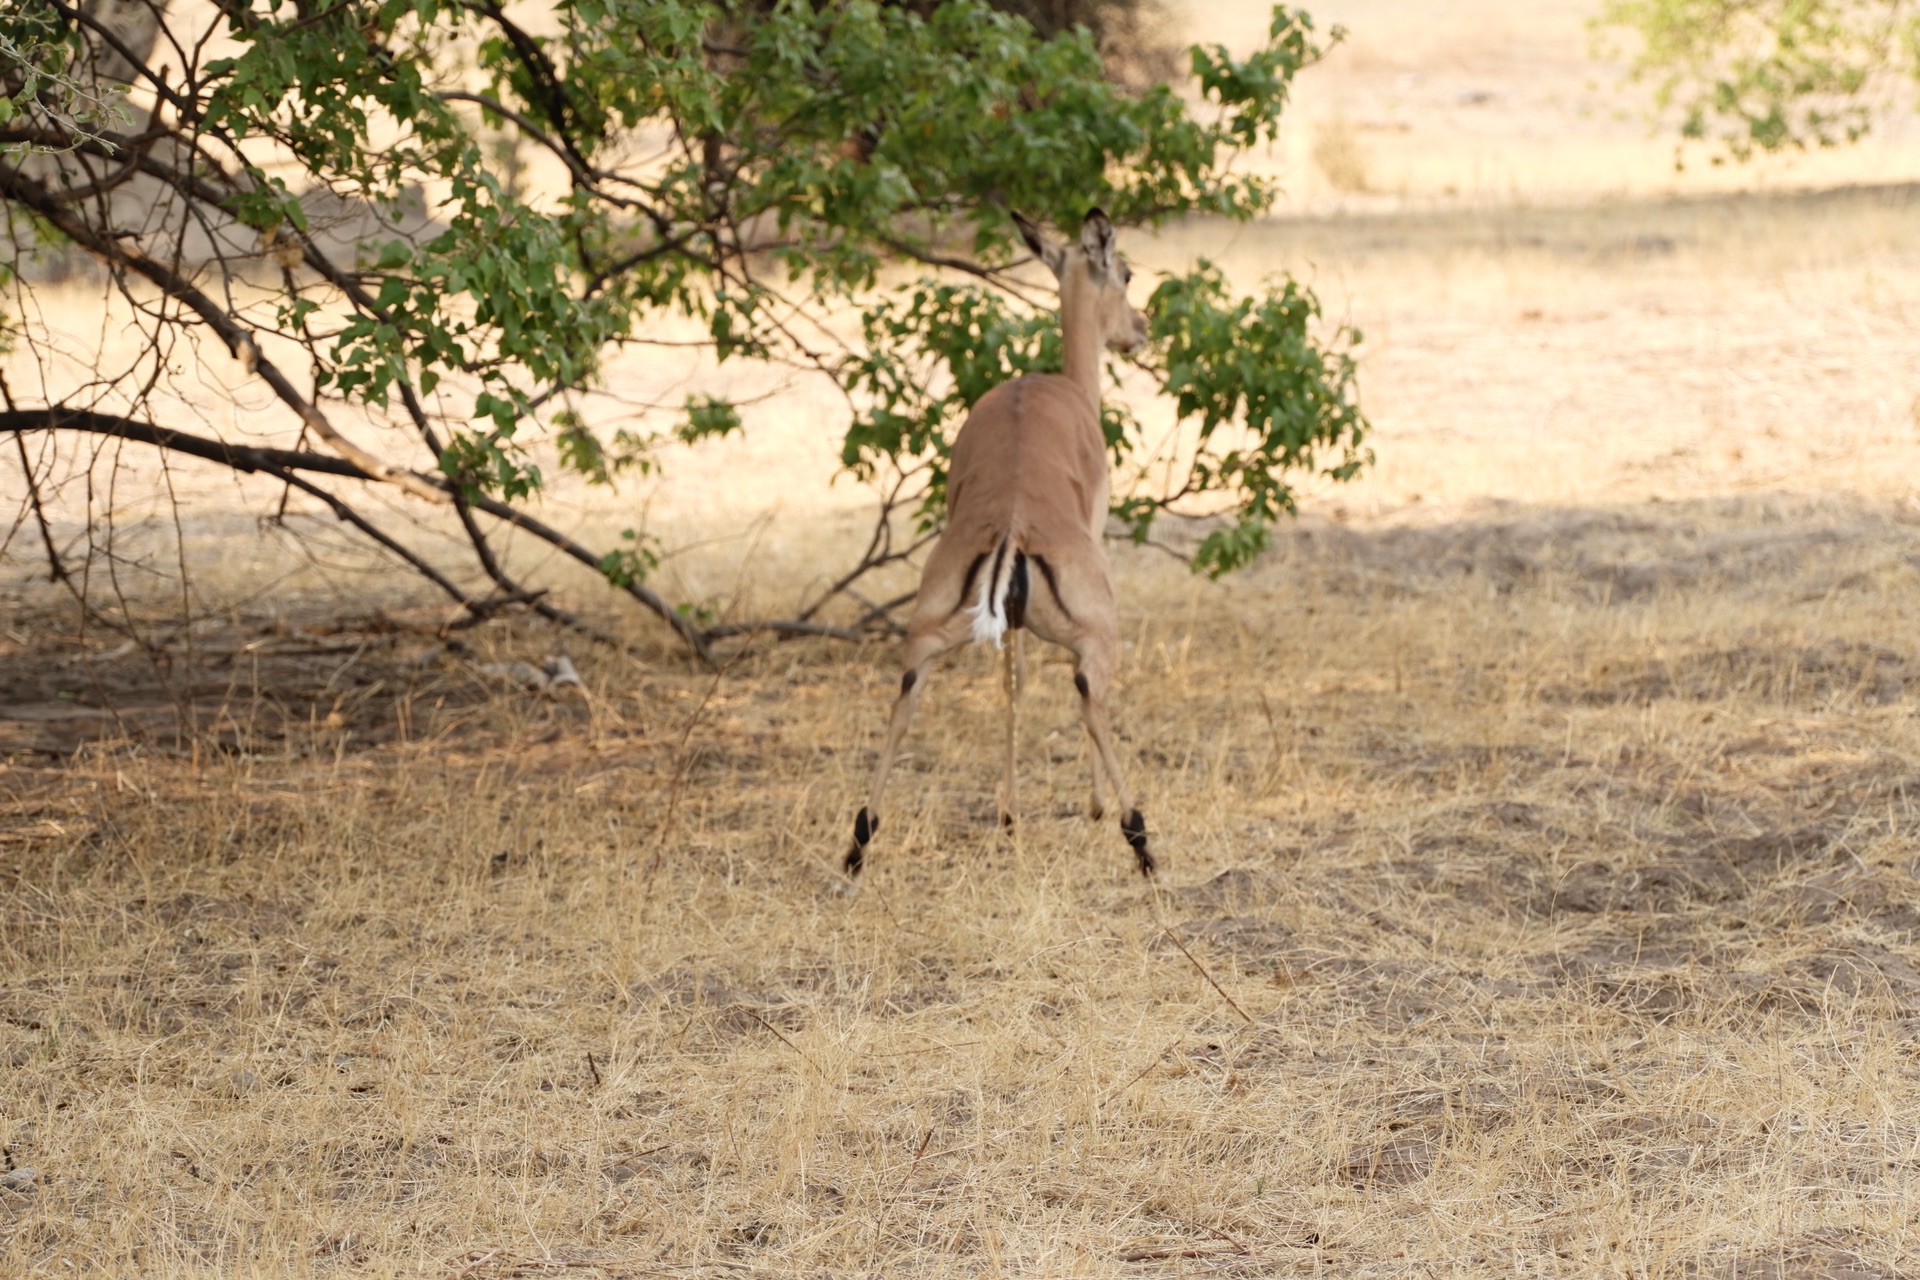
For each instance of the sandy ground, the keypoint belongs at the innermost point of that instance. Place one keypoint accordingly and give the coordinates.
(1466, 103)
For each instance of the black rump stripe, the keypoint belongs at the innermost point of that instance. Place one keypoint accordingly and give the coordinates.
(966, 584)
(1053, 585)
(1017, 592)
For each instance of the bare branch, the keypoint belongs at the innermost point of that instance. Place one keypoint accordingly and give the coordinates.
(999, 277)
(239, 457)
(695, 638)
(781, 627)
(128, 255)
(185, 106)
(580, 171)
(282, 464)
(479, 608)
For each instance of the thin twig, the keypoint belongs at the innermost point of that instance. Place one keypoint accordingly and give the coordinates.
(1157, 1254)
(782, 627)
(692, 635)
(1142, 1073)
(682, 764)
(804, 1055)
(56, 571)
(880, 1220)
(128, 256)
(1273, 726)
(1231, 1002)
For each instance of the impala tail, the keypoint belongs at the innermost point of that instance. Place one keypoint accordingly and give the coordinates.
(1002, 603)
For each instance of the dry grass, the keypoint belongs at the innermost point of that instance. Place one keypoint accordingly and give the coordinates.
(1551, 878)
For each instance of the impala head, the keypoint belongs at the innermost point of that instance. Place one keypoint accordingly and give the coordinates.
(1093, 280)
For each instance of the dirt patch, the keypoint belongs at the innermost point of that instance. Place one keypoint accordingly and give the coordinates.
(1799, 1260)
(1250, 939)
(1713, 871)
(305, 682)
(1785, 675)
(1234, 887)
(1403, 1159)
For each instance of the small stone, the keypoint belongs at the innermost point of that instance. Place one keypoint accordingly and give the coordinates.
(19, 1180)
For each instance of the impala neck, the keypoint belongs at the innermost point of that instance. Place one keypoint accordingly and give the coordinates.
(1081, 337)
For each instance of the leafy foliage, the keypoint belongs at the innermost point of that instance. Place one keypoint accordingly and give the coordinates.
(1267, 397)
(745, 165)
(972, 334)
(1766, 75)
(1256, 364)
(37, 53)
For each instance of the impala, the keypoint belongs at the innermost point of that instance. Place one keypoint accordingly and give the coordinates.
(1026, 507)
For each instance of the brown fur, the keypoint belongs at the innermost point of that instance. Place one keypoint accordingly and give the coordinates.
(1029, 478)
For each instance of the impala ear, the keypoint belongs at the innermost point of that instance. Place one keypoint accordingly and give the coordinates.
(1052, 254)
(1096, 241)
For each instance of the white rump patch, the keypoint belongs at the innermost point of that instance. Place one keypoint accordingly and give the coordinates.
(989, 622)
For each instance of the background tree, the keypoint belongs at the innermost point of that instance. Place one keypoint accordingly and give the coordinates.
(424, 225)
(1771, 74)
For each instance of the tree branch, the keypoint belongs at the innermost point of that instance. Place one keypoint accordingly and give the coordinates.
(129, 256)
(581, 174)
(477, 610)
(238, 457)
(695, 638)
(782, 627)
(185, 106)
(540, 69)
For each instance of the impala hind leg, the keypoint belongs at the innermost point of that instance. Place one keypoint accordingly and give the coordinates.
(925, 642)
(1092, 679)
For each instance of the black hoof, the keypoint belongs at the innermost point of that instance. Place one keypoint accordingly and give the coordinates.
(863, 829)
(1134, 828)
(1006, 821)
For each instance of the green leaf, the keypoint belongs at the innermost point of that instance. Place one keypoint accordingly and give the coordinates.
(1766, 75)
(1235, 547)
(707, 417)
(629, 565)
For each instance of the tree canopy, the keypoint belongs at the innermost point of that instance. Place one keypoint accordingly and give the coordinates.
(425, 225)
(1769, 75)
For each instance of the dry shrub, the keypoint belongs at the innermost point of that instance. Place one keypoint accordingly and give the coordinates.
(1340, 156)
